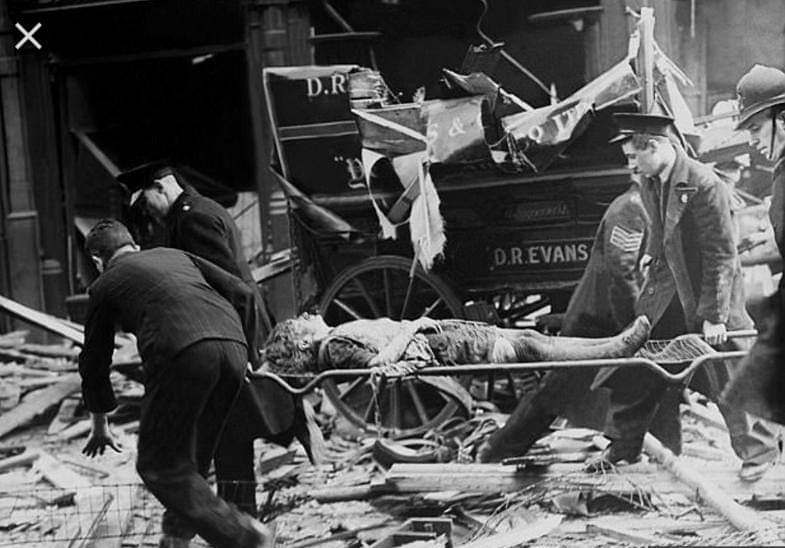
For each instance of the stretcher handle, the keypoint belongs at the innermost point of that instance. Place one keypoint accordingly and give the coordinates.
(450, 370)
(741, 334)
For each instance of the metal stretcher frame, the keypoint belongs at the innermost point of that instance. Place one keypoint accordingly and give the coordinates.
(450, 370)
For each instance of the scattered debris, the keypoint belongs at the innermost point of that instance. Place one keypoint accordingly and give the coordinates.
(372, 491)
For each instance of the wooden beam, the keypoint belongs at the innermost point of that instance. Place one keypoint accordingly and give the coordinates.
(38, 403)
(58, 474)
(740, 517)
(40, 319)
(646, 57)
(64, 417)
(100, 156)
(626, 535)
(517, 536)
(65, 328)
(25, 459)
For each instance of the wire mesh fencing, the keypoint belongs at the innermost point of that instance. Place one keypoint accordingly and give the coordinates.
(51, 517)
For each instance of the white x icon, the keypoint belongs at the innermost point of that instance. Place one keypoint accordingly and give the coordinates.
(28, 36)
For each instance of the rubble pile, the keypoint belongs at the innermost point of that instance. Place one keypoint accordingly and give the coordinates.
(371, 491)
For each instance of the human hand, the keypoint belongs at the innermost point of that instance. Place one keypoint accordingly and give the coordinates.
(100, 437)
(645, 262)
(99, 441)
(386, 356)
(714, 333)
(427, 324)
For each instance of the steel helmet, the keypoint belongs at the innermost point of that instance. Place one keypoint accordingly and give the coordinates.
(761, 88)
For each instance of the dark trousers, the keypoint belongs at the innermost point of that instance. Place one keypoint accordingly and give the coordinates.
(262, 410)
(183, 413)
(536, 411)
(641, 401)
(558, 390)
(234, 457)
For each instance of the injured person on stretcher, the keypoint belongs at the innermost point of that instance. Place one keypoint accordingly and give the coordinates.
(306, 344)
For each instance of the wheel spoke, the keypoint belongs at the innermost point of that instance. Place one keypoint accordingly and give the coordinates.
(384, 286)
(432, 306)
(418, 405)
(491, 386)
(367, 296)
(368, 415)
(511, 385)
(406, 297)
(352, 387)
(387, 292)
(346, 308)
(395, 405)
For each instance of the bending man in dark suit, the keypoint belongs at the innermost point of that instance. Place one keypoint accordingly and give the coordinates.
(693, 285)
(201, 226)
(196, 329)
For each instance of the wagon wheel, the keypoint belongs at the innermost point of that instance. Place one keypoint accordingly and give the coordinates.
(378, 287)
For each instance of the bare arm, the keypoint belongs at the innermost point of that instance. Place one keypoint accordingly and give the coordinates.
(395, 349)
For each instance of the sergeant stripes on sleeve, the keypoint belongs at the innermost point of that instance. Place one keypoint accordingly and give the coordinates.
(625, 239)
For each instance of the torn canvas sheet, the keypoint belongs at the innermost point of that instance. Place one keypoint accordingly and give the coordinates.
(426, 223)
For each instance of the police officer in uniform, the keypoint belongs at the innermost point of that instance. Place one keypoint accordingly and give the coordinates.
(603, 304)
(199, 225)
(693, 284)
(760, 383)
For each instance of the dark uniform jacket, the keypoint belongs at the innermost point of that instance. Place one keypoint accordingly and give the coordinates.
(693, 250)
(777, 209)
(759, 385)
(203, 227)
(170, 300)
(604, 301)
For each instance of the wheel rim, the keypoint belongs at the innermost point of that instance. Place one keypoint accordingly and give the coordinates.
(377, 287)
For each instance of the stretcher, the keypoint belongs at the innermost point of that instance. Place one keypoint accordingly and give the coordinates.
(675, 361)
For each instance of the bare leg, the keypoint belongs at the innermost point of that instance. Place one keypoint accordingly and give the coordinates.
(532, 346)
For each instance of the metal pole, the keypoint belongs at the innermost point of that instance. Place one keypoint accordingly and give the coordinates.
(444, 371)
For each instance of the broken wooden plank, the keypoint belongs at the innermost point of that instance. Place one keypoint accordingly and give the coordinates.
(518, 535)
(740, 517)
(38, 403)
(40, 319)
(707, 415)
(494, 478)
(626, 535)
(275, 457)
(50, 350)
(20, 371)
(65, 416)
(76, 430)
(67, 329)
(13, 339)
(414, 478)
(31, 384)
(355, 492)
(58, 474)
(25, 459)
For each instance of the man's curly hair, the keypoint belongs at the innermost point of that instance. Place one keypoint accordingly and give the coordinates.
(289, 350)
